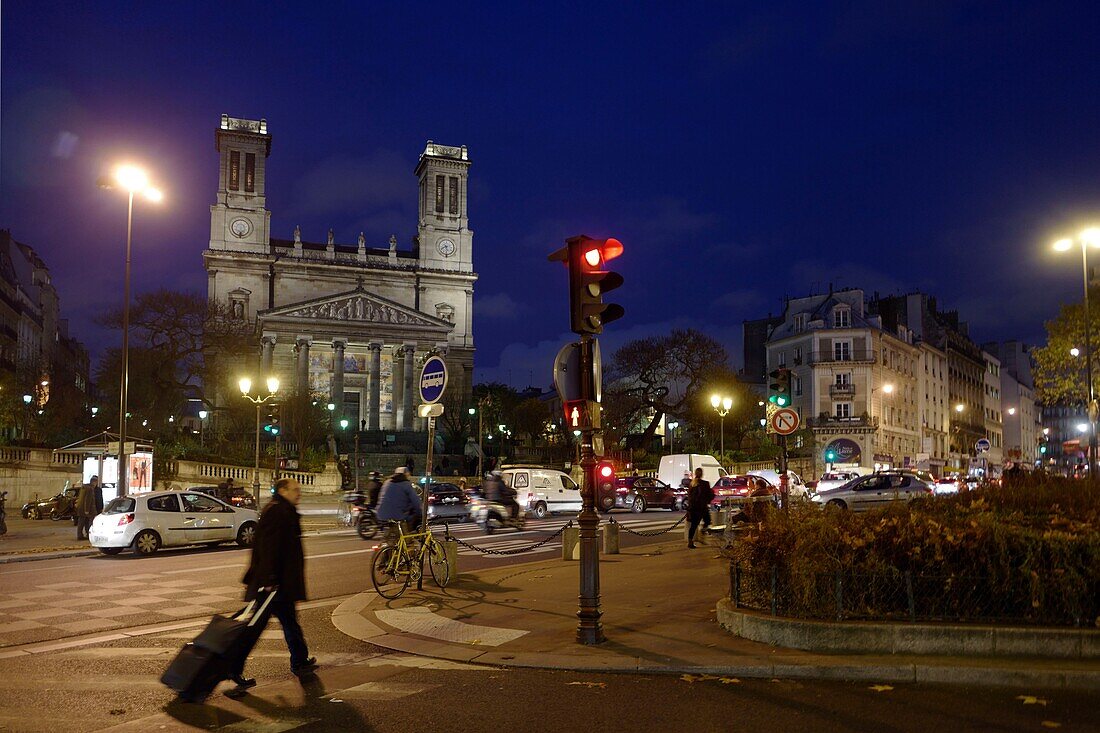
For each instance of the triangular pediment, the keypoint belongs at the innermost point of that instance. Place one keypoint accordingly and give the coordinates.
(355, 306)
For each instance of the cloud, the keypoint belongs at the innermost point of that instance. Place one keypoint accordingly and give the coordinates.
(499, 306)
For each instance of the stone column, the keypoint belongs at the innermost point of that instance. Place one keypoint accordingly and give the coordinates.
(398, 382)
(303, 343)
(267, 341)
(410, 387)
(338, 346)
(375, 384)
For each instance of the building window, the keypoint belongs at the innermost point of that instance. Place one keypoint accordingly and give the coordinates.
(842, 351)
(842, 318)
(799, 322)
(843, 379)
(782, 358)
(250, 172)
(797, 386)
(234, 170)
(797, 355)
(439, 193)
(842, 409)
(454, 195)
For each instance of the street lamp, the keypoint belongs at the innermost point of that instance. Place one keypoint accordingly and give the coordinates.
(133, 180)
(246, 386)
(721, 405)
(1087, 238)
(671, 435)
(202, 420)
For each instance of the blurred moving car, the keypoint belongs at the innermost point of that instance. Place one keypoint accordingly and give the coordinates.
(448, 501)
(148, 521)
(638, 493)
(59, 506)
(946, 485)
(742, 487)
(873, 491)
(235, 495)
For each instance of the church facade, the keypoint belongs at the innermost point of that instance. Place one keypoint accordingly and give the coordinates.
(350, 323)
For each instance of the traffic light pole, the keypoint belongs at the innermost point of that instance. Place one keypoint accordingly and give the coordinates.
(784, 480)
(589, 628)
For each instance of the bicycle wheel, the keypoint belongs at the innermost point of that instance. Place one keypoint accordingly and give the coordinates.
(389, 572)
(437, 562)
(368, 526)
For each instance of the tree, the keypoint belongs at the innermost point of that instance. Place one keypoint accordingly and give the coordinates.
(651, 377)
(1059, 376)
(530, 418)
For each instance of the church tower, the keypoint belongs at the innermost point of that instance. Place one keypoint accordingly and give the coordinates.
(239, 220)
(446, 242)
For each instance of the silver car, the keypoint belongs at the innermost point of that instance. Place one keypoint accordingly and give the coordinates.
(874, 490)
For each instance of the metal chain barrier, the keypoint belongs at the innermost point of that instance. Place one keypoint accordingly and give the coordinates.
(515, 551)
(654, 533)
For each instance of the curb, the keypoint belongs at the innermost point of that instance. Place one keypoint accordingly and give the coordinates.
(348, 618)
(46, 555)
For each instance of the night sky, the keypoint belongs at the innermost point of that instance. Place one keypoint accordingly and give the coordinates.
(741, 152)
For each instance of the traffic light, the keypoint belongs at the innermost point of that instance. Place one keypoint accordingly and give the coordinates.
(272, 425)
(780, 388)
(830, 456)
(605, 486)
(589, 281)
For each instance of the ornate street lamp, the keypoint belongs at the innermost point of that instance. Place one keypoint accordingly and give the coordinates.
(246, 386)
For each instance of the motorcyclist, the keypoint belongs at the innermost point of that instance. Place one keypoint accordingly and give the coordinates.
(498, 492)
(398, 501)
(373, 488)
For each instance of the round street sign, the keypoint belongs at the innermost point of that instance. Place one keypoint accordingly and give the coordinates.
(982, 445)
(433, 380)
(784, 421)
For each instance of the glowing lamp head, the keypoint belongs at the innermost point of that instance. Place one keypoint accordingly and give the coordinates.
(245, 384)
(272, 384)
(153, 194)
(1012, 411)
(715, 400)
(344, 423)
(1082, 427)
(888, 388)
(203, 414)
(727, 403)
(1091, 236)
(132, 178)
(1075, 352)
(330, 407)
(1063, 245)
(959, 407)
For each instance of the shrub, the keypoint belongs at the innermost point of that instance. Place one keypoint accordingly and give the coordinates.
(1027, 553)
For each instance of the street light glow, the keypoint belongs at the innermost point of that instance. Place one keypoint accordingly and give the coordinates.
(1063, 245)
(1012, 411)
(153, 194)
(1075, 352)
(203, 414)
(1082, 427)
(132, 178)
(272, 384)
(245, 384)
(959, 407)
(888, 388)
(1091, 236)
(715, 400)
(727, 403)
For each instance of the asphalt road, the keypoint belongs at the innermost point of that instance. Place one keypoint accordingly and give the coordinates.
(114, 623)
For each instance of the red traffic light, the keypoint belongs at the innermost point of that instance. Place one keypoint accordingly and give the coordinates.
(599, 251)
(606, 471)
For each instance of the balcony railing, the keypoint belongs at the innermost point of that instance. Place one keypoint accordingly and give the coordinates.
(832, 421)
(865, 356)
(842, 390)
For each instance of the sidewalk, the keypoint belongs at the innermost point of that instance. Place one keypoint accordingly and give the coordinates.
(659, 604)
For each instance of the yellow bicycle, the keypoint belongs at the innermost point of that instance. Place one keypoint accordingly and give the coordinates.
(397, 563)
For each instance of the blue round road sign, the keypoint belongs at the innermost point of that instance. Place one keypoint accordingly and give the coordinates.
(433, 380)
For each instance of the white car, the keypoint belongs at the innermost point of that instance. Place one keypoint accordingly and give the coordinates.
(149, 521)
(834, 479)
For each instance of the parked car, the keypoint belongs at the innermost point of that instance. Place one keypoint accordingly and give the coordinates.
(834, 479)
(796, 487)
(235, 495)
(874, 490)
(148, 521)
(741, 487)
(946, 485)
(447, 501)
(638, 493)
(59, 506)
(542, 491)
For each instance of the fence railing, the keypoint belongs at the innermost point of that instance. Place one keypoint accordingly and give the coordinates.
(906, 596)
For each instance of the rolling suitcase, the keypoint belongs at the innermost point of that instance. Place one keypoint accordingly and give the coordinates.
(213, 655)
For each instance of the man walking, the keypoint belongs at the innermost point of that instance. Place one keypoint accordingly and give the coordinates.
(85, 510)
(700, 496)
(278, 564)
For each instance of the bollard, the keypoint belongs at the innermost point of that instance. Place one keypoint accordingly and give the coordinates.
(451, 548)
(715, 517)
(571, 543)
(611, 538)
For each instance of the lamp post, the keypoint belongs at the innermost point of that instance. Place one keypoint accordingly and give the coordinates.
(133, 180)
(672, 436)
(246, 386)
(722, 406)
(202, 420)
(1088, 238)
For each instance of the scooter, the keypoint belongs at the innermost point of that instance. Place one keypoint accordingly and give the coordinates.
(491, 515)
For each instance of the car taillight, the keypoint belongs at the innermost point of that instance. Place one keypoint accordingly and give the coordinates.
(125, 519)
(743, 491)
(622, 490)
(431, 499)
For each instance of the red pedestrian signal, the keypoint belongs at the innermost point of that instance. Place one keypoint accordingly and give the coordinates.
(589, 280)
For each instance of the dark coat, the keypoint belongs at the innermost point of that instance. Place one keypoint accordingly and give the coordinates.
(277, 555)
(85, 502)
(699, 498)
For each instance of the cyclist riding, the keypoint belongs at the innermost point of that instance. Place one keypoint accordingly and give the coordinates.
(398, 501)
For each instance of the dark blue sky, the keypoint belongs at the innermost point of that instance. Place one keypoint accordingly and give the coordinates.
(740, 151)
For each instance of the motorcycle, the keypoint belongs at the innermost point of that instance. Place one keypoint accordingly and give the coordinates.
(366, 525)
(3, 513)
(492, 515)
(359, 515)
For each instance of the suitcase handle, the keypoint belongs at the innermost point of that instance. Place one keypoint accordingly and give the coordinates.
(251, 613)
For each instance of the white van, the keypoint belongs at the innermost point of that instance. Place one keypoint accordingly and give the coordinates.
(542, 491)
(673, 468)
